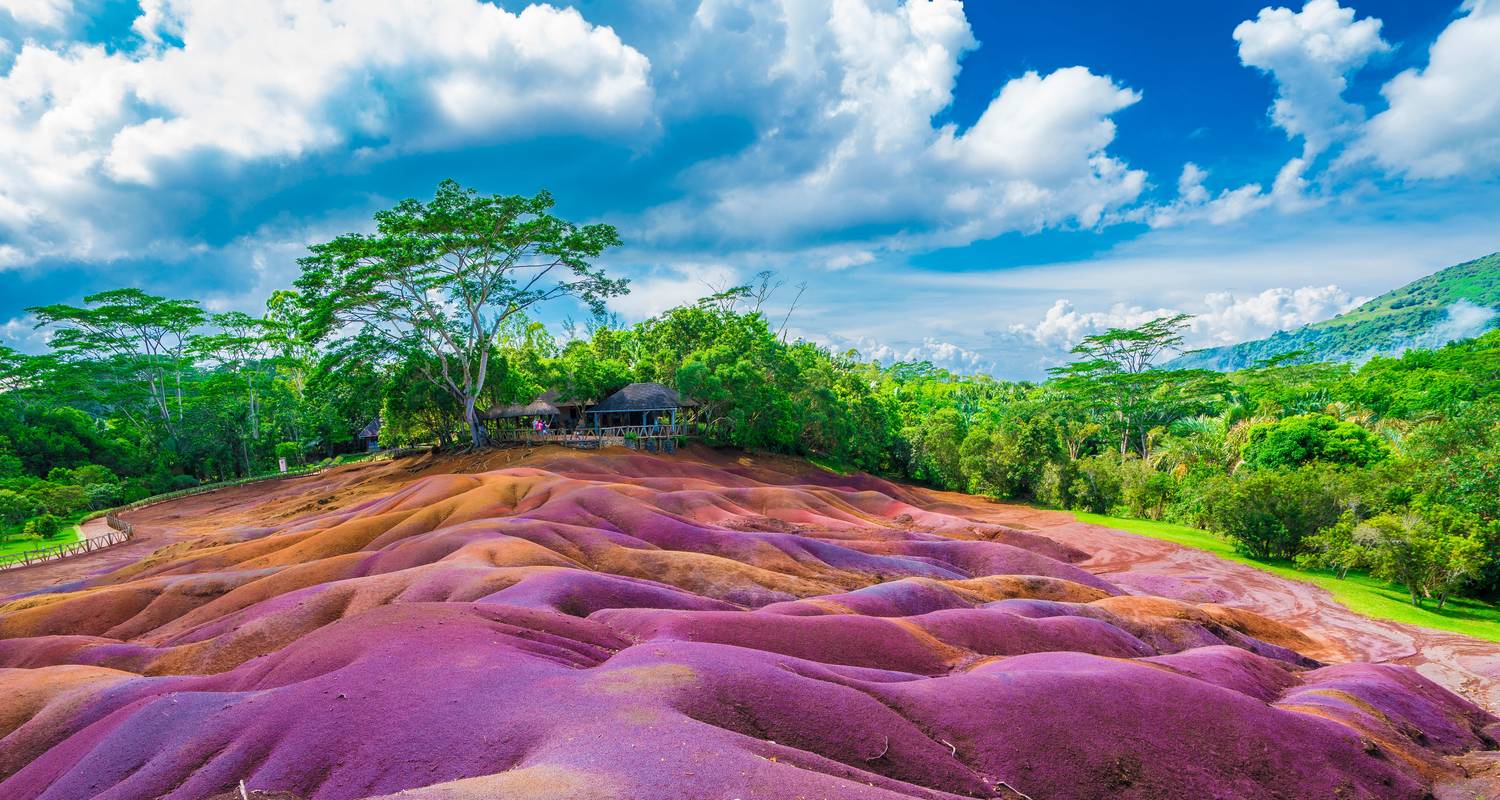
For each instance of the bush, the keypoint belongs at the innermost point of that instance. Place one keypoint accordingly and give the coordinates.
(1055, 486)
(1196, 491)
(179, 482)
(1145, 492)
(1433, 551)
(45, 526)
(1007, 460)
(86, 475)
(134, 490)
(1268, 514)
(1303, 439)
(102, 495)
(60, 499)
(1097, 483)
(15, 509)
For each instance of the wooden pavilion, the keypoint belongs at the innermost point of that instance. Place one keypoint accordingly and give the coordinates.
(640, 404)
(642, 416)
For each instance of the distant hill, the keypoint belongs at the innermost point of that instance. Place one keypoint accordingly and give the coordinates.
(1459, 302)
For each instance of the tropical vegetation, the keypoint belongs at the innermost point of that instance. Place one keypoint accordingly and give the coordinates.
(1390, 469)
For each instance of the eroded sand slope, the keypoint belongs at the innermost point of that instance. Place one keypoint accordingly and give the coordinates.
(628, 626)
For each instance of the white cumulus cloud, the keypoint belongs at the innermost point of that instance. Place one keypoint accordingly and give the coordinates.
(939, 353)
(215, 84)
(669, 287)
(1221, 318)
(38, 13)
(1227, 318)
(1444, 120)
(1196, 203)
(1310, 54)
(856, 85)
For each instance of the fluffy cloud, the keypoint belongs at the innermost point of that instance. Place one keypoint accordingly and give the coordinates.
(1064, 325)
(1221, 318)
(38, 13)
(670, 287)
(1195, 203)
(1310, 54)
(1444, 120)
(857, 84)
(213, 84)
(946, 355)
(1227, 319)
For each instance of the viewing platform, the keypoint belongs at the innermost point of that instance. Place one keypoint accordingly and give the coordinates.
(652, 438)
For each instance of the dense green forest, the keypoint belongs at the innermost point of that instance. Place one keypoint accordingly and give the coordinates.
(1390, 468)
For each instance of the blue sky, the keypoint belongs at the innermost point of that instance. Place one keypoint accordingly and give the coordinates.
(978, 184)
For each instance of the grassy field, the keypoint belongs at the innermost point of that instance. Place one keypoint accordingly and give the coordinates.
(1359, 593)
(68, 536)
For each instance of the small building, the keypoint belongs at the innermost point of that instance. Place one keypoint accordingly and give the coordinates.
(369, 435)
(645, 404)
(549, 406)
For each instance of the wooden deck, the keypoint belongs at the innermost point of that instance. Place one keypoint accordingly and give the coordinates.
(655, 438)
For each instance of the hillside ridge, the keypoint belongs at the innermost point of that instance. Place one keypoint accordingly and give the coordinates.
(1459, 302)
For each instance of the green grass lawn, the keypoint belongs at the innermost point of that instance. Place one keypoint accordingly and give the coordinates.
(1359, 593)
(69, 535)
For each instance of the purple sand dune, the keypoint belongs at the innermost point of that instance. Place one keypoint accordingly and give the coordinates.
(640, 627)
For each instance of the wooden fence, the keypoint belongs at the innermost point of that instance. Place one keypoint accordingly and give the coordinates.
(121, 532)
(639, 437)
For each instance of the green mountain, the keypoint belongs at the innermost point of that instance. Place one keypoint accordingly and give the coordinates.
(1459, 302)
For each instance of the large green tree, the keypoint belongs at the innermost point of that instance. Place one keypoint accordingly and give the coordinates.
(441, 277)
(142, 336)
(1117, 376)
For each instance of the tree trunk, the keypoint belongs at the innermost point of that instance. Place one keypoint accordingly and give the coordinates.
(471, 416)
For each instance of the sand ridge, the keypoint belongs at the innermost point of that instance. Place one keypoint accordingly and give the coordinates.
(556, 623)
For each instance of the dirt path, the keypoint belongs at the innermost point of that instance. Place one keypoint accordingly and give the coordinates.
(189, 517)
(252, 505)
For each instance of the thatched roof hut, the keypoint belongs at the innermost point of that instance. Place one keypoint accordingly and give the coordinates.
(536, 408)
(638, 397)
(547, 404)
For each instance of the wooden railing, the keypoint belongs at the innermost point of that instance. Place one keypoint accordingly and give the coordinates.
(121, 532)
(650, 437)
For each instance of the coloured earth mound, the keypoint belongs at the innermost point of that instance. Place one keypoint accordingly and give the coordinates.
(630, 626)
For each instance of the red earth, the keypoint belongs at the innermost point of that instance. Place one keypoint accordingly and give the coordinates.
(551, 623)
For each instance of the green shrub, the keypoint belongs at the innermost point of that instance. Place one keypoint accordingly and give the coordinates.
(45, 526)
(1196, 491)
(1055, 486)
(134, 490)
(102, 495)
(1097, 483)
(60, 499)
(1268, 514)
(1303, 439)
(1145, 492)
(86, 475)
(15, 509)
